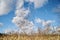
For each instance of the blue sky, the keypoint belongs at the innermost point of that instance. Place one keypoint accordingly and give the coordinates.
(49, 11)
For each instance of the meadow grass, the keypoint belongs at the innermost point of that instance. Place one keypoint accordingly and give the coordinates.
(31, 37)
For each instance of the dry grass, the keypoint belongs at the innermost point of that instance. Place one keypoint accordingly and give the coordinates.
(26, 37)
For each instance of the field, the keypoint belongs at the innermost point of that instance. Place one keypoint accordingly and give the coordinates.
(31, 37)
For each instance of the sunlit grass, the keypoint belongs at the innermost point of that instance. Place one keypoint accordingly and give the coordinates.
(31, 37)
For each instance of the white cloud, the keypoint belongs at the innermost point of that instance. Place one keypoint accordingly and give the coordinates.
(24, 24)
(1, 24)
(43, 22)
(38, 3)
(58, 28)
(38, 20)
(22, 12)
(19, 4)
(21, 22)
(5, 6)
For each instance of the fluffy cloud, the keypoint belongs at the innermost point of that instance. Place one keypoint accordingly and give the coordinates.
(58, 28)
(38, 20)
(20, 20)
(38, 3)
(43, 22)
(22, 23)
(19, 4)
(48, 28)
(5, 6)
(1, 24)
(22, 12)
